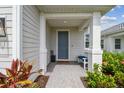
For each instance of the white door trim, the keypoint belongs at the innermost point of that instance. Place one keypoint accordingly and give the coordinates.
(58, 30)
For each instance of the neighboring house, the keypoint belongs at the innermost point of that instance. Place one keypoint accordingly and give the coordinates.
(113, 38)
(34, 31)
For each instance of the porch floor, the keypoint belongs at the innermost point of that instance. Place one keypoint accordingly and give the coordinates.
(66, 76)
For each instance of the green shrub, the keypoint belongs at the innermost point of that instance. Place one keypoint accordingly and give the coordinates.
(92, 79)
(112, 62)
(107, 56)
(97, 68)
(121, 68)
(111, 67)
(106, 81)
(118, 56)
(110, 74)
(98, 80)
(119, 78)
(112, 56)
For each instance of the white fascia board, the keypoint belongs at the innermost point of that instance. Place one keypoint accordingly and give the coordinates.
(67, 15)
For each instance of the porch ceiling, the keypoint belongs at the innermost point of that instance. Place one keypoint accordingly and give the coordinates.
(66, 22)
(74, 8)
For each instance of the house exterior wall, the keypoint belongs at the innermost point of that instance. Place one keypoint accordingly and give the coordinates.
(109, 43)
(31, 35)
(48, 43)
(30, 32)
(76, 42)
(123, 43)
(6, 42)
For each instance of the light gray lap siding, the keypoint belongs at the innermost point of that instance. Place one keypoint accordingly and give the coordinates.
(6, 42)
(31, 34)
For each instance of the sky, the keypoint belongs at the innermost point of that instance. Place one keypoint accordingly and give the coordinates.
(113, 17)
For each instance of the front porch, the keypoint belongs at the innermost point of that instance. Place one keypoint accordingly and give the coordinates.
(65, 75)
(65, 37)
(45, 28)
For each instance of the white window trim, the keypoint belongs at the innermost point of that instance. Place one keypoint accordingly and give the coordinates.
(120, 44)
(58, 30)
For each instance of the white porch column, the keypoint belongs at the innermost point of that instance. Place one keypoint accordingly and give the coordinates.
(43, 49)
(17, 32)
(95, 52)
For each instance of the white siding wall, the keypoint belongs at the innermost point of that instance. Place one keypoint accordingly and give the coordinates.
(109, 43)
(76, 42)
(48, 43)
(122, 43)
(6, 42)
(53, 40)
(31, 35)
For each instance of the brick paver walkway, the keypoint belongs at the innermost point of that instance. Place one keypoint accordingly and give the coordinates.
(66, 76)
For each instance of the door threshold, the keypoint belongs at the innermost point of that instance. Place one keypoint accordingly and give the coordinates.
(62, 60)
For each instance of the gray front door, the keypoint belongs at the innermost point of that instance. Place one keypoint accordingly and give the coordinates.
(62, 45)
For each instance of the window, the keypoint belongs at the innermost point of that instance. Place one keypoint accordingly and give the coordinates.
(2, 27)
(87, 41)
(117, 43)
(4, 47)
(102, 44)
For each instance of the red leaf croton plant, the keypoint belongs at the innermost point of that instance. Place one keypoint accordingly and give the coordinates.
(17, 75)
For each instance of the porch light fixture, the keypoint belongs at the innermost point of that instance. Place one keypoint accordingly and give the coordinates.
(2, 27)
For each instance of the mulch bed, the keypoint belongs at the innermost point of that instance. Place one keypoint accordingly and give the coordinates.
(84, 81)
(42, 80)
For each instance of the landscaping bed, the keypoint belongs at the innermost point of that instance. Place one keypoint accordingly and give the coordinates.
(42, 81)
(84, 80)
(108, 75)
(18, 76)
